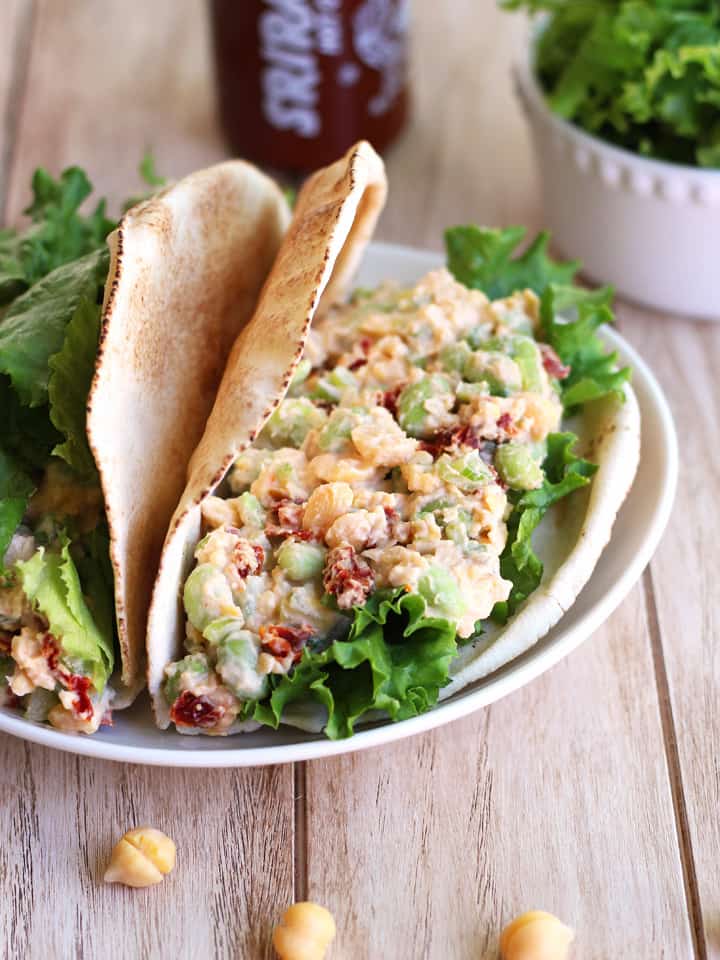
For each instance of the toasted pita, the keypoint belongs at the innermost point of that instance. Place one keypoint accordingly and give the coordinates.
(334, 218)
(185, 272)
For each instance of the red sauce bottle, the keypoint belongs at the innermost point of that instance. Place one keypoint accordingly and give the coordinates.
(299, 81)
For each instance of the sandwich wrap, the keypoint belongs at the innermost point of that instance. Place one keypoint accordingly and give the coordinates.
(333, 221)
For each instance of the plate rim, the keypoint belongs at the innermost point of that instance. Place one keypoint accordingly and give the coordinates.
(509, 678)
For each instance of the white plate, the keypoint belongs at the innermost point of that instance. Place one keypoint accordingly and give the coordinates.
(135, 739)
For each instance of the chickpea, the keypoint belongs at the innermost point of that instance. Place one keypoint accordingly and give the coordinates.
(535, 935)
(304, 932)
(141, 858)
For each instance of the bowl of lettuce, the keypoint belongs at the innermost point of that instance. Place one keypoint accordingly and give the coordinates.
(623, 102)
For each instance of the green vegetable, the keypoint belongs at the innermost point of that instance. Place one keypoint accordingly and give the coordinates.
(292, 421)
(455, 356)
(301, 561)
(196, 664)
(332, 387)
(335, 435)
(39, 703)
(527, 356)
(52, 584)
(71, 374)
(517, 466)
(205, 594)
(395, 660)
(468, 471)
(237, 655)
(250, 510)
(482, 259)
(34, 327)
(16, 488)
(440, 590)
(564, 472)
(59, 233)
(569, 315)
(411, 413)
(643, 74)
(92, 559)
(485, 366)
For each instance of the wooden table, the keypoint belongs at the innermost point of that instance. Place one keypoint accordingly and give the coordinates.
(593, 793)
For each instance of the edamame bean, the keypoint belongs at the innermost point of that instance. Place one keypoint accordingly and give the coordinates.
(301, 561)
(205, 595)
(517, 466)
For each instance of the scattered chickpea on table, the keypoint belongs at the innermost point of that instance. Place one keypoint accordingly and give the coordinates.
(535, 935)
(304, 932)
(141, 858)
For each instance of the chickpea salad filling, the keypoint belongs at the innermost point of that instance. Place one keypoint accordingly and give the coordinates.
(385, 512)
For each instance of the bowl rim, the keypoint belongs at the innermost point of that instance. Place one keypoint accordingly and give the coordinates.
(532, 93)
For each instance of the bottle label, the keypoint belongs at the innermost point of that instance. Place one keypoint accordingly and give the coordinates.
(295, 36)
(379, 41)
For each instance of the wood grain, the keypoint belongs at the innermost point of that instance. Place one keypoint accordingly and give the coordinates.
(14, 51)
(684, 583)
(64, 814)
(585, 793)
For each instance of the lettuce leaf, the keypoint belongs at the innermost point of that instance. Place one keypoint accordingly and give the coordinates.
(96, 575)
(16, 488)
(59, 233)
(486, 259)
(71, 373)
(395, 660)
(52, 583)
(642, 74)
(482, 258)
(569, 317)
(34, 327)
(564, 473)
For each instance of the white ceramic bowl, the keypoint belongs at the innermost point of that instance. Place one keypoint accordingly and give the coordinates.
(134, 738)
(649, 228)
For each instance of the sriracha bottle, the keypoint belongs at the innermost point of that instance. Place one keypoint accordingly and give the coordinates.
(299, 81)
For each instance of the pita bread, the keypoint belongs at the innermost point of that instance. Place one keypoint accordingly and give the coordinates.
(334, 218)
(185, 272)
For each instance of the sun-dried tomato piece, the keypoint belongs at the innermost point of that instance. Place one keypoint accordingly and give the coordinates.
(505, 423)
(287, 520)
(390, 398)
(50, 651)
(280, 641)
(552, 362)
(82, 704)
(465, 435)
(249, 558)
(190, 710)
(347, 577)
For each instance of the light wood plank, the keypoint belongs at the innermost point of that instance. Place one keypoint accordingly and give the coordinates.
(15, 26)
(555, 798)
(108, 81)
(103, 83)
(61, 816)
(686, 358)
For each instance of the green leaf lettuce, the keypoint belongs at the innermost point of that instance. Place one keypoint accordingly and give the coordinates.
(52, 584)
